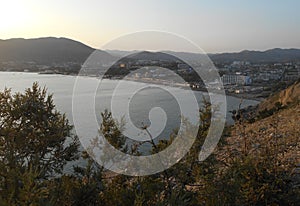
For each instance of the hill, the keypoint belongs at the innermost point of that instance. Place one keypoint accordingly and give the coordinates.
(283, 125)
(290, 95)
(280, 122)
(268, 56)
(44, 50)
(262, 157)
(152, 56)
(61, 51)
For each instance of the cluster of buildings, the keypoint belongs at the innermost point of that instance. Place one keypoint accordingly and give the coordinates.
(263, 72)
(242, 77)
(237, 77)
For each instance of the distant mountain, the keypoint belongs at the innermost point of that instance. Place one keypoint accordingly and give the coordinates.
(153, 56)
(168, 56)
(44, 50)
(120, 53)
(50, 50)
(269, 56)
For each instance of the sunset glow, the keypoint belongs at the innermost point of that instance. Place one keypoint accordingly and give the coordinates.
(215, 26)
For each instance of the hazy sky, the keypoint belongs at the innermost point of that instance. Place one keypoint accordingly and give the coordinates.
(216, 26)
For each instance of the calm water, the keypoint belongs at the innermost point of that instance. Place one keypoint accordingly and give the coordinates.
(140, 105)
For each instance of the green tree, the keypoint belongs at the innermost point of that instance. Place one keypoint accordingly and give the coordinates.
(35, 144)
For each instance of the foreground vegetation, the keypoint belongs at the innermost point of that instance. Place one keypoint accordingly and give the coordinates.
(246, 168)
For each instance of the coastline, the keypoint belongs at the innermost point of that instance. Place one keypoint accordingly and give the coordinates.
(200, 89)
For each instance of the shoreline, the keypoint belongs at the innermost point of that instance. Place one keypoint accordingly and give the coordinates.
(240, 96)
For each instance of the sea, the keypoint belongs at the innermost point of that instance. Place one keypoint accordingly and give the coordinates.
(62, 88)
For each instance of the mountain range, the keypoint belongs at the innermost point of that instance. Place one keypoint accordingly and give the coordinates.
(268, 56)
(61, 50)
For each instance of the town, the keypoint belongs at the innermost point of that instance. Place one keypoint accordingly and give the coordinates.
(239, 78)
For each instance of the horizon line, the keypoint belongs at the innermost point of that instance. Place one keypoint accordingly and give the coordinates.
(217, 52)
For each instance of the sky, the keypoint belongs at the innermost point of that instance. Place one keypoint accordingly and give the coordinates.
(214, 25)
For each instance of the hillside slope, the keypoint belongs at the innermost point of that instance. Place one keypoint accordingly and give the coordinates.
(282, 128)
(291, 95)
(44, 50)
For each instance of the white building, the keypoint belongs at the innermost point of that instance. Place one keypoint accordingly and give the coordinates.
(236, 79)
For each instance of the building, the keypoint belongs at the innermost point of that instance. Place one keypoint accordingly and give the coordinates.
(291, 75)
(236, 79)
(269, 75)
